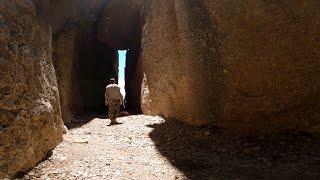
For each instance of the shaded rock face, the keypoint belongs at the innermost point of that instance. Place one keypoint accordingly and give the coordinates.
(65, 55)
(97, 64)
(133, 79)
(246, 65)
(119, 25)
(179, 62)
(30, 121)
(61, 13)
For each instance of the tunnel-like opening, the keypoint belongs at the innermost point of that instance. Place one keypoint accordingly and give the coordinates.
(84, 66)
(88, 53)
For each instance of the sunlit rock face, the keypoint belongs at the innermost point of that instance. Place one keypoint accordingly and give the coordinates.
(181, 65)
(247, 65)
(30, 121)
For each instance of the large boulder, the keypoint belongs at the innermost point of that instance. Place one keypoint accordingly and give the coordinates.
(30, 120)
(247, 65)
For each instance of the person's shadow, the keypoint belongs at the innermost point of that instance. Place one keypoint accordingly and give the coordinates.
(114, 124)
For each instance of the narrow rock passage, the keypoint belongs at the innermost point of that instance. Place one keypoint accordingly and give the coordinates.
(146, 147)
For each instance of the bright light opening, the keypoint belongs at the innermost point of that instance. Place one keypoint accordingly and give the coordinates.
(122, 66)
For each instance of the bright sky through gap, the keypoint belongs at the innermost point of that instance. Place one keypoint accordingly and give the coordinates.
(122, 65)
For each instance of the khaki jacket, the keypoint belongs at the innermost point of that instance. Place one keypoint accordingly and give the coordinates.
(113, 93)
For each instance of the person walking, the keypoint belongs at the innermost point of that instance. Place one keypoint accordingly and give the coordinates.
(113, 99)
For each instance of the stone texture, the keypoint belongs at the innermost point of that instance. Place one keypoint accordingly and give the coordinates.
(65, 55)
(177, 65)
(119, 25)
(248, 65)
(61, 13)
(30, 120)
(145, 97)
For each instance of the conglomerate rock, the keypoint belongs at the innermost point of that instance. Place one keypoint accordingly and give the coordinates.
(30, 121)
(246, 65)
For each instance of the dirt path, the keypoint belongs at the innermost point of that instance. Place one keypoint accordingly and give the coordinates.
(146, 147)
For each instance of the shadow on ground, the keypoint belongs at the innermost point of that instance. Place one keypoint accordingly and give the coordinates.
(83, 119)
(212, 153)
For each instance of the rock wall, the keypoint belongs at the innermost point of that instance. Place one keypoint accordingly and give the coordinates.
(61, 13)
(119, 25)
(65, 55)
(179, 61)
(247, 65)
(133, 80)
(30, 121)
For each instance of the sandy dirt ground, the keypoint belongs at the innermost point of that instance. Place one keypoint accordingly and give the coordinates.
(147, 147)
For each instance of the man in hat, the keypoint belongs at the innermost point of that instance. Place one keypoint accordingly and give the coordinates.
(113, 99)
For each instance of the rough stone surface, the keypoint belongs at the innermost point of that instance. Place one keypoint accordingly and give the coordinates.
(145, 96)
(133, 79)
(61, 13)
(178, 62)
(119, 25)
(65, 55)
(270, 56)
(247, 65)
(30, 121)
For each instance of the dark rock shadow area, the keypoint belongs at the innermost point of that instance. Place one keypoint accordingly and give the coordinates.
(213, 153)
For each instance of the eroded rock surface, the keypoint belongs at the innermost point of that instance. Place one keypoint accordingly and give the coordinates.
(62, 13)
(30, 121)
(180, 62)
(247, 65)
(119, 25)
